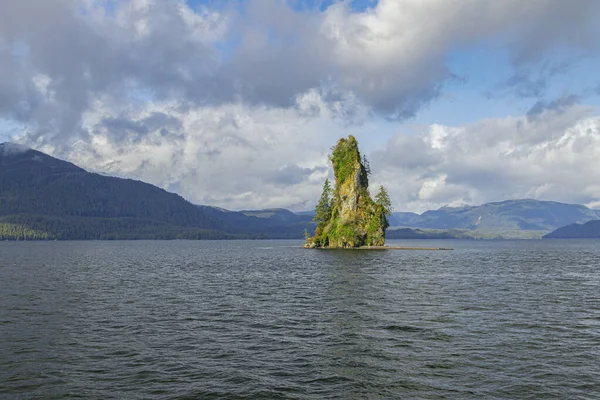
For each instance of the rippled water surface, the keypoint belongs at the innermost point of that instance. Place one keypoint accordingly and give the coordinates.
(266, 319)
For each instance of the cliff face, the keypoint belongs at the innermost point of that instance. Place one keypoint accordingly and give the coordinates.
(352, 218)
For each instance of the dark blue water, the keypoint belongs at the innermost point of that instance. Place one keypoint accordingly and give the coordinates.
(268, 320)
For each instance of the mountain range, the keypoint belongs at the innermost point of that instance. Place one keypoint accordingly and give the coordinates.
(525, 218)
(42, 197)
(588, 230)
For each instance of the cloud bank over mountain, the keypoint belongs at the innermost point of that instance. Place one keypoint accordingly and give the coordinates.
(549, 157)
(236, 103)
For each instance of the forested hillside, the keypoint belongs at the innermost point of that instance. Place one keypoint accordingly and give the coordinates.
(589, 230)
(42, 197)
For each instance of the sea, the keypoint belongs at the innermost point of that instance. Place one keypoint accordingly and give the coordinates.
(270, 320)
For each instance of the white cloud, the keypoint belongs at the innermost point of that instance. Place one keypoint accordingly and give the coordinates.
(237, 156)
(553, 157)
(234, 156)
(390, 58)
(238, 106)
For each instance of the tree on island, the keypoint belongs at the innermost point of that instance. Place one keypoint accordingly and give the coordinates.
(384, 204)
(366, 165)
(323, 209)
(346, 215)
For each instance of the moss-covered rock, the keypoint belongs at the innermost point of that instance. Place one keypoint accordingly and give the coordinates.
(352, 219)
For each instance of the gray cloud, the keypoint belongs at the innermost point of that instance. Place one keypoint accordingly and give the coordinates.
(122, 128)
(522, 83)
(293, 174)
(71, 58)
(12, 148)
(58, 58)
(560, 104)
(531, 80)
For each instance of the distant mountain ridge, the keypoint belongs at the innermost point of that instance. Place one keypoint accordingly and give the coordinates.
(275, 223)
(526, 214)
(42, 197)
(589, 230)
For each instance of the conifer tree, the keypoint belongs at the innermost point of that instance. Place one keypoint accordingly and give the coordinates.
(382, 199)
(323, 209)
(366, 165)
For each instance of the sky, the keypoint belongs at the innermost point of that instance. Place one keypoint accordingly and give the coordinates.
(237, 103)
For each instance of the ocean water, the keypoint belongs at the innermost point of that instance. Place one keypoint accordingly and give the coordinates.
(269, 320)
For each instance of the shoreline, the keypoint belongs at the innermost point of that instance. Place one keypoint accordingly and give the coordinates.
(383, 248)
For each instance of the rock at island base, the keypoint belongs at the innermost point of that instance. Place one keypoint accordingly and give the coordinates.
(353, 218)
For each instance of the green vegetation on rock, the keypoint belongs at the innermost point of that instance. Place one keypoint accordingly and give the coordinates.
(346, 215)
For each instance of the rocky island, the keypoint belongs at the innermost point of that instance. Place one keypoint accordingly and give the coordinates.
(346, 215)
